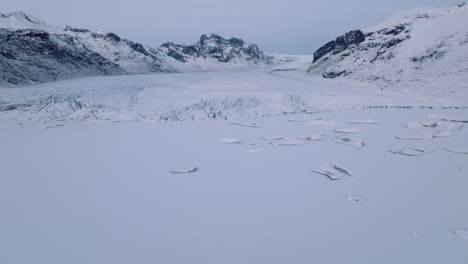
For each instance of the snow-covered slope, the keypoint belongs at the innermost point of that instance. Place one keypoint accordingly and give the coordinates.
(425, 49)
(21, 20)
(32, 56)
(214, 51)
(22, 56)
(133, 57)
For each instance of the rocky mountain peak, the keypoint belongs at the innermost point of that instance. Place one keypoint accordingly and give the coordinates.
(218, 40)
(216, 48)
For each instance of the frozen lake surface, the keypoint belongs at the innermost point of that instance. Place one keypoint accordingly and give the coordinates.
(81, 192)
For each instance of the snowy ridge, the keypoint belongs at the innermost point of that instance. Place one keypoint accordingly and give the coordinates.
(21, 20)
(133, 57)
(422, 50)
(114, 54)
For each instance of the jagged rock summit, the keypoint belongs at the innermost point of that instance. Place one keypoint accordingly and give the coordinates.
(31, 51)
(217, 49)
(424, 48)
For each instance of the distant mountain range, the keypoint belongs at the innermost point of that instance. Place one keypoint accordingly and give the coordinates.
(422, 48)
(31, 51)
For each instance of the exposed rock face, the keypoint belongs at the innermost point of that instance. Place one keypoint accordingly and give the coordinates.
(33, 56)
(214, 47)
(340, 57)
(341, 43)
(425, 48)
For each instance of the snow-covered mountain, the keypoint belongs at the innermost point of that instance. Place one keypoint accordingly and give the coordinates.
(418, 49)
(214, 51)
(33, 51)
(34, 56)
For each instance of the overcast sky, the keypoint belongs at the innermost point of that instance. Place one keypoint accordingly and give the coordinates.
(277, 26)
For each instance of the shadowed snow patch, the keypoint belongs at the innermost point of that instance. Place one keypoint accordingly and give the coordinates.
(443, 134)
(457, 151)
(322, 123)
(363, 122)
(460, 119)
(287, 141)
(334, 172)
(282, 141)
(414, 152)
(417, 137)
(184, 171)
(254, 149)
(356, 198)
(353, 142)
(312, 137)
(245, 124)
(463, 233)
(348, 130)
(230, 141)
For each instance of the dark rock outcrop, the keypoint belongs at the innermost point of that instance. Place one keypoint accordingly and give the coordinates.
(341, 43)
(333, 74)
(355, 46)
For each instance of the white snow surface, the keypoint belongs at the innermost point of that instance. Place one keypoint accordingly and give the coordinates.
(87, 181)
(105, 193)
